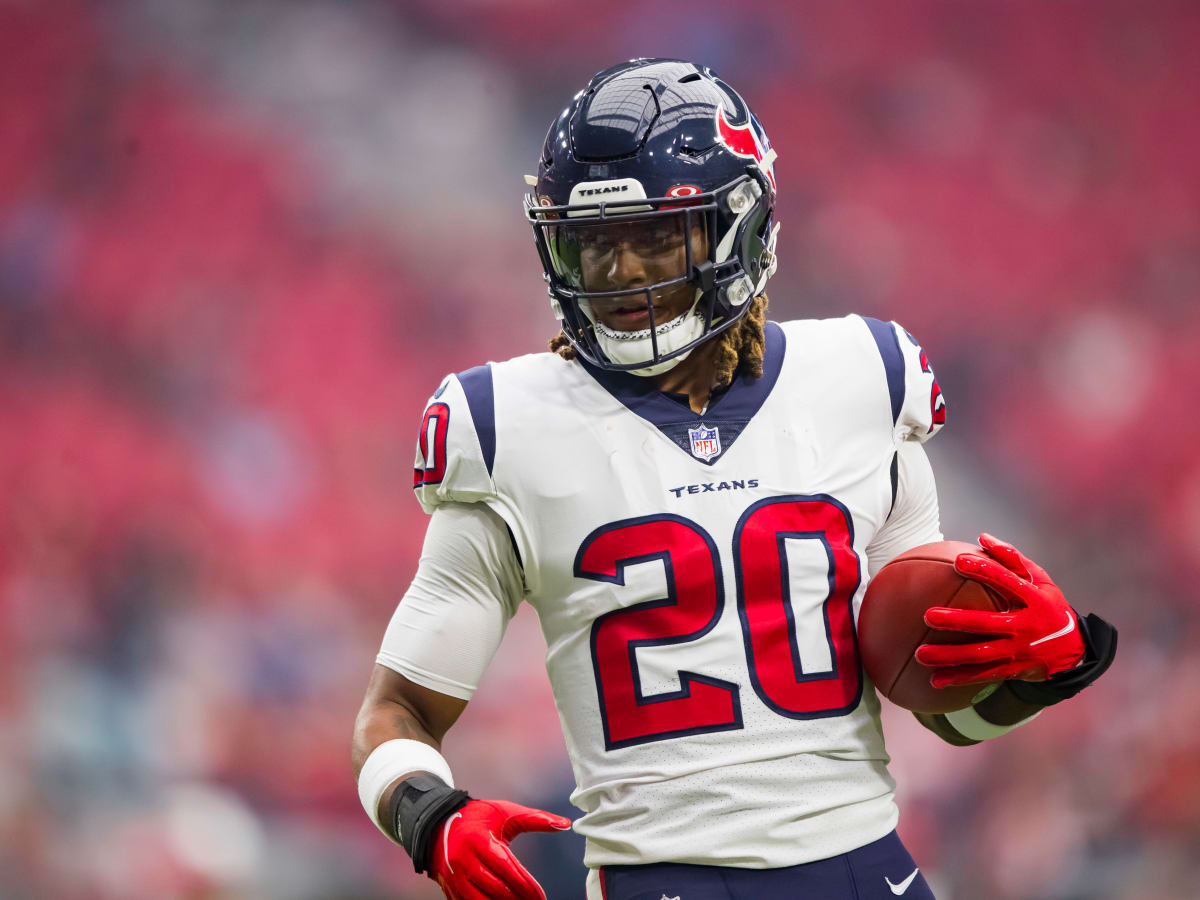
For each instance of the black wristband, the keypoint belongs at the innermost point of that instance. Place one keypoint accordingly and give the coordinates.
(1100, 639)
(418, 805)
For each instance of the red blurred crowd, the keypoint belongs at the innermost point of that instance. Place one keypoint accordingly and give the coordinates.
(240, 246)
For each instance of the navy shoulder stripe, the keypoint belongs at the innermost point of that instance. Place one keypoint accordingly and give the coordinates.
(477, 385)
(893, 361)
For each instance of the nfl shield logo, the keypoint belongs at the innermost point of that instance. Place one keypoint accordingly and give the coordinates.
(706, 442)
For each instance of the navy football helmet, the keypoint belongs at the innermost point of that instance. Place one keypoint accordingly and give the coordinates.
(660, 158)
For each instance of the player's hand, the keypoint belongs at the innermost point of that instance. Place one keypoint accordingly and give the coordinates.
(1037, 638)
(471, 857)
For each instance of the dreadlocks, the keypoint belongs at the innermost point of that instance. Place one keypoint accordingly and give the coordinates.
(740, 349)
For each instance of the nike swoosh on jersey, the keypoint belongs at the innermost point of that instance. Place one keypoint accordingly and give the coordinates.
(900, 888)
(1066, 629)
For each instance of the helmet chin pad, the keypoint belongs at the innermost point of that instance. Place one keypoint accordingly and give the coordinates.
(628, 347)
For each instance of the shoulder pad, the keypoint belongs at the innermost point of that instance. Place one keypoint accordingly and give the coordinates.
(918, 407)
(456, 444)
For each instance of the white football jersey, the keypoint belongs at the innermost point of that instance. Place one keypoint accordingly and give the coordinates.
(698, 577)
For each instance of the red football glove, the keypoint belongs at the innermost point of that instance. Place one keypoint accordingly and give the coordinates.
(471, 858)
(1038, 638)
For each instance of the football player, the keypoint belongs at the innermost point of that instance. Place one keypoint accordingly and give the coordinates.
(693, 499)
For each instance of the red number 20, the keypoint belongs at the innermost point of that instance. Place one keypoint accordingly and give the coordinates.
(694, 601)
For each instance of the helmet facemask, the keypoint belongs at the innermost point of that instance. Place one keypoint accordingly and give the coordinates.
(638, 283)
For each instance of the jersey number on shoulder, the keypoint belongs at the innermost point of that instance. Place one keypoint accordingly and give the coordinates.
(937, 403)
(432, 442)
(694, 601)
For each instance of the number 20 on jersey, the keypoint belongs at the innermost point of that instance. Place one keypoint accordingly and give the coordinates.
(694, 603)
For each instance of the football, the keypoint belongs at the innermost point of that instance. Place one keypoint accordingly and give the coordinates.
(891, 624)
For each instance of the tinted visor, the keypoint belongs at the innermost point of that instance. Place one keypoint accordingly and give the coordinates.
(617, 255)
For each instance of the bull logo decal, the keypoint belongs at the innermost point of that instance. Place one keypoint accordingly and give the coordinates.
(745, 141)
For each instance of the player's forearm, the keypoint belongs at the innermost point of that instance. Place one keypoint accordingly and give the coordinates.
(404, 716)
(387, 720)
(936, 722)
(1000, 707)
(1003, 707)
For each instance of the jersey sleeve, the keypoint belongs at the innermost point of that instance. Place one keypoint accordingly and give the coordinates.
(914, 518)
(456, 443)
(456, 456)
(451, 620)
(918, 407)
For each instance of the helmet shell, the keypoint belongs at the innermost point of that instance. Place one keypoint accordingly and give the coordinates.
(665, 122)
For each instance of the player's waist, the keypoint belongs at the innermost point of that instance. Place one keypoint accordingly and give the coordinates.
(747, 839)
(861, 871)
(761, 817)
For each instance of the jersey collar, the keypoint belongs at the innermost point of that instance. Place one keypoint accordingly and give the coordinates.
(729, 411)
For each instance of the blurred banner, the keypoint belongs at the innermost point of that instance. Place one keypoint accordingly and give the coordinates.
(242, 242)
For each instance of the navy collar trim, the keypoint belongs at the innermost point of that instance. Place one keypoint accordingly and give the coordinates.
(734, 407)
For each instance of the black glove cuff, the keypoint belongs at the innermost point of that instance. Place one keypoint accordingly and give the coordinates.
(418, 806)
(1100, 639)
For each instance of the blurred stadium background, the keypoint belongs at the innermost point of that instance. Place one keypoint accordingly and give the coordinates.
(242, 241)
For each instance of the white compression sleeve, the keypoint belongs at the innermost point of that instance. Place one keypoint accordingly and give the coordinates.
(451, 620)
(915, 519)
(396, 759)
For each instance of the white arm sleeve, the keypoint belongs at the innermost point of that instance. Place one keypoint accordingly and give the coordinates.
(451, 620)
(914, 519)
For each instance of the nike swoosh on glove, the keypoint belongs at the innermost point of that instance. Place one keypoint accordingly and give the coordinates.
(1038, 637)
(471, 857)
